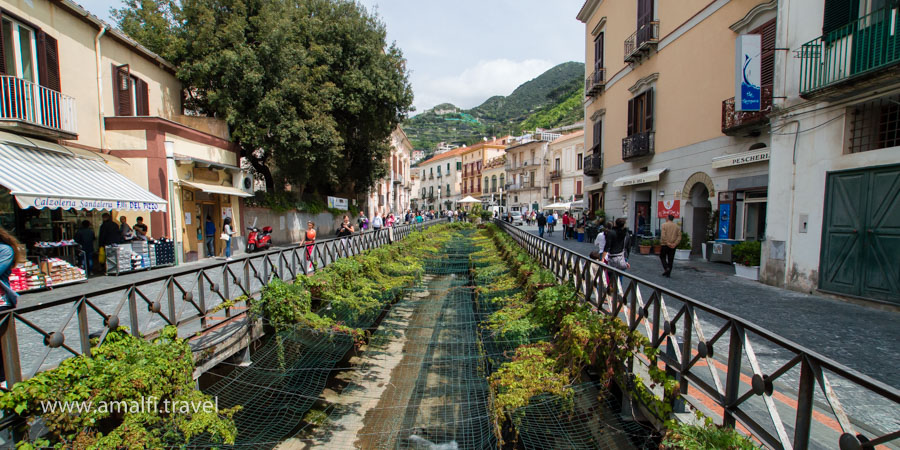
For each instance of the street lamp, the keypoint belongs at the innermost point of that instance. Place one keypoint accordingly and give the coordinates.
(439, 199)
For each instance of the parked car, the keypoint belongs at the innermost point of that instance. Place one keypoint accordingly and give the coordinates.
(517, 218)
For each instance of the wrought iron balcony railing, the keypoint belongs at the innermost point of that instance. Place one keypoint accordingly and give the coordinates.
(593, 163)
(595, 82)
(735, 121)
(863, 46)
(555, 174)
(637, 146)
(641, 41)
(26, 102)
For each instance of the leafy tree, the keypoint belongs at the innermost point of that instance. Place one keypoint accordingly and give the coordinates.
(152, 23)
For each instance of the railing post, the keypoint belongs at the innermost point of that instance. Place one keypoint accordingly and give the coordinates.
(201, 298)
(733, 376)
(84, 333)
(9, 342)
(170, 293)
(132, 312)
(246, 279)
(802, 424)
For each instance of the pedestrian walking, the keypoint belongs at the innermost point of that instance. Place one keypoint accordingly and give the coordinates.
(541, 223)
(85, 238)
(377, 223)
(551, 223)
(227, 233)
(345, 232)
(669, 238)
(210, 232)
(362, 221)
(309, 240)
(614, 248)
(565, 225)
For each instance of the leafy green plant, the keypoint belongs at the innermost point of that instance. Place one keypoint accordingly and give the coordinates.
(130, 391)
(282, 303)
(707, 436)
(646, 242)
(746, 253)
(685, 243)
(531, 372)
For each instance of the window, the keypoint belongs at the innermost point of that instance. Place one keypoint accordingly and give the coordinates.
(577, 187)
(598, 129)
(502, 185)
(875, 124)
(485, 183)
(494, 183)
(448, 190)
(448, 167)
(130, 93)
(439, 170)
(29, 53)
(579, 161)
(556, 165)
(640, 113)
(598, 53)
(459, 165)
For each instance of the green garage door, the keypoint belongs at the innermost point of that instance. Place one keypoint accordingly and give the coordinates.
(861, 234)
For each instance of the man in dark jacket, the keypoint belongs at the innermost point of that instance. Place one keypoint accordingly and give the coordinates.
(541, 223)
(85, 238)
(109, 232)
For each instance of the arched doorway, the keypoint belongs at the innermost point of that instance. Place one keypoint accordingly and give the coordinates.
(701, 208)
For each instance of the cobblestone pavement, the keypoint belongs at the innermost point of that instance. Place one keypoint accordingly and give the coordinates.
(862, 338)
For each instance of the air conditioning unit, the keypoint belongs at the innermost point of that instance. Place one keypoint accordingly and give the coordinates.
(244, 181)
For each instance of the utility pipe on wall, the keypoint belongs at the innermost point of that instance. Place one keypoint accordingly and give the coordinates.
(100, 89)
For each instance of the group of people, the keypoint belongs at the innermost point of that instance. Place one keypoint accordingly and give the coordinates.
(111, 232)
(549, 221)
(613, 245)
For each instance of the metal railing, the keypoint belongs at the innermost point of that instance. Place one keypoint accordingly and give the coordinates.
(189, 298)
(688, 334)
(25, 101)
(594, 83)
(593, 164)
(733, 121)
(554, 174)
(637, 145)
(641, 40)
(521, 186)
(862, 46)
(522, 164)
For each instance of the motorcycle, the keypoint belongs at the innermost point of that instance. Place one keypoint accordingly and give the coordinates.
(259, 240)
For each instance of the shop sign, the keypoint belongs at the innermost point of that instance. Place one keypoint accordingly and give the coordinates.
(665, 208)
(741, 158)
(337, 203)
(26, 201)
(747, 70)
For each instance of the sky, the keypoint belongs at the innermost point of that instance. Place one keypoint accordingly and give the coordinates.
(465, 51)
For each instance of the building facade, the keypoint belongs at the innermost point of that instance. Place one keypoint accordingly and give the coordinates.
(527, 175)
(665, 140)
(474, 158)
(836, 151)
(441, 180)
(73, 84)
(566, 168)
(494, 181)
(392, 193)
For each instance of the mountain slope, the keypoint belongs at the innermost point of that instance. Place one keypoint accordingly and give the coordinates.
(552, 99)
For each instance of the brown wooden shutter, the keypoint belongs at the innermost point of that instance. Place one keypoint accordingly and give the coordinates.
(598, 52)
(142, 107)
(648, 110)
(2, 55)
(767, 60)
(598, 128)
(122, 90)
(631, 117)
(48, 61)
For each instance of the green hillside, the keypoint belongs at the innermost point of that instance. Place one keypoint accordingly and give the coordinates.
(552, 99)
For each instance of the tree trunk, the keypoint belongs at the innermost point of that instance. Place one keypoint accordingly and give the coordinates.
(261, 168)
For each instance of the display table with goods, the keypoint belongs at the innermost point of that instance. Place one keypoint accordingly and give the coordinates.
(49, 273)
(139, 255)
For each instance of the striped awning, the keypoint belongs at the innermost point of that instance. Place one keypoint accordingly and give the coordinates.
(45, 179)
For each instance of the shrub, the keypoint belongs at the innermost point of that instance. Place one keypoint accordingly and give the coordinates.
(531, 372)
(685, 243)
(646, 242)
(708, 436)
(282, 303)
(746, 253)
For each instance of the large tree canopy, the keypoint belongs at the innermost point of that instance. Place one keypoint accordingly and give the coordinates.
(309, 88)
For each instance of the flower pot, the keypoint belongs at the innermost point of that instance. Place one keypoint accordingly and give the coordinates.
(748, 272)
(682, 254)
(657, 249)
(644, 249)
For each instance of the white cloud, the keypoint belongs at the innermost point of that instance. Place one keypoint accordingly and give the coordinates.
(476, 84)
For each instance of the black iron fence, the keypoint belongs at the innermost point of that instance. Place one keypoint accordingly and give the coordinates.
(785, 395)
(36, 337)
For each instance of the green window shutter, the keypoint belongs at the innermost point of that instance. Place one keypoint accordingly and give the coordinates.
(839, 13)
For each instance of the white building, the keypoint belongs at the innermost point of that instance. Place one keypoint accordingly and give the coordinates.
(566, 168)
(440, 178)
(526, 171)
(835, 161)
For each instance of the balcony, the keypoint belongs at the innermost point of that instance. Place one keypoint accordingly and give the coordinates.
(430, 176)
(398, 178)
(439, 175)
(640, 43)
(521, 186)
(29, 108)
(593, 163)
(595, 82)
(736, 122)
(523, 164)
(637, 146)
(555, 174)
(852, 59)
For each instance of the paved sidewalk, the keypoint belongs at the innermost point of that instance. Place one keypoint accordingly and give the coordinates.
(862, 338)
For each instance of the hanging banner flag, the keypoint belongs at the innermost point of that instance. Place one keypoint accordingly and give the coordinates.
(747, 71)
(666, 207)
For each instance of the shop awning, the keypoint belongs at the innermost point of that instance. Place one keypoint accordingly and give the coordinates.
(216, 189)
(49, 179)
(641, 178)
(595, 186)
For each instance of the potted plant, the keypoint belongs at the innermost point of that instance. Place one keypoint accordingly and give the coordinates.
(683, 250)
(646, 245)
(745, 257)
(657, 246)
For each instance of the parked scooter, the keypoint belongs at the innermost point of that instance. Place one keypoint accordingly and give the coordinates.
(259, 240)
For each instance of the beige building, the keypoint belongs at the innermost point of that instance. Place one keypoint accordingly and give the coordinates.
(392, 193)
(527, 175)
(566, 168)
(474, 158)
(660, 114)
(494, 179)
(68, 79)
(441, 180)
